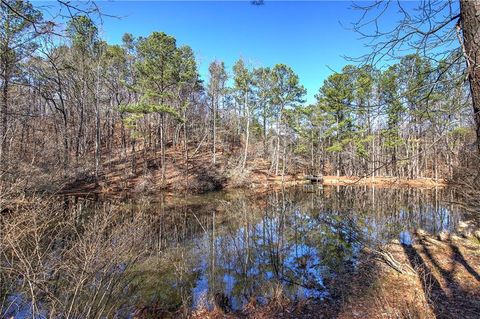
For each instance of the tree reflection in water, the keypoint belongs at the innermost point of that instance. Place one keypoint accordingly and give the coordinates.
(145, 256)
(248, 248)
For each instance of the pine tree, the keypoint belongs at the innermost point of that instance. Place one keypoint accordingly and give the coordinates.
(17, 35)
(243, 85)
(216, 90)
(156, 76)
(286, 92)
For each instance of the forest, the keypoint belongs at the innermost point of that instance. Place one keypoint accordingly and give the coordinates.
(96, 138)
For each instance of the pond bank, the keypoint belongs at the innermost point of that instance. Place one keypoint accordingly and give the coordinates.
(259, 181)
(446, 284)
(267, 183)
(384, 181)
(199, 175)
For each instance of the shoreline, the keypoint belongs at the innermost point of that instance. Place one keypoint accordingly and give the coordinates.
(262, 183)
(382, 181)
(435, 264)
(385, 181)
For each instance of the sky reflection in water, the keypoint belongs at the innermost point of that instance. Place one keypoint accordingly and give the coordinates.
(301, 241)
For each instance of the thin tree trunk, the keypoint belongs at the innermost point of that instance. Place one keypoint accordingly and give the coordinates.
(247, 109)
(185, 144)
(214, 106)
(3, 136)
(97, 131)
(162, 146)
(134, 157)
(277, 151)
(264, 129)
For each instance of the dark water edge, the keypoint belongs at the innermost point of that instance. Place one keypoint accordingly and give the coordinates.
(157, 255)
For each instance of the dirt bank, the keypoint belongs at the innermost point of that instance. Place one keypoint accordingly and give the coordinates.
(199, 175)
(445, 284)
(383, 181)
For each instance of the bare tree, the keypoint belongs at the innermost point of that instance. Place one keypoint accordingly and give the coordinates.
(437, 30)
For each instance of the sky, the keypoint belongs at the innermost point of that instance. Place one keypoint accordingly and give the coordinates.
(311, 37)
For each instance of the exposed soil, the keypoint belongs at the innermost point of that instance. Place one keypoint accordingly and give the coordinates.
(384, 181)
(199, 175)
(445, 284)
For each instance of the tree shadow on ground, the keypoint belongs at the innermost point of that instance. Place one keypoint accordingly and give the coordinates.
(458, 256)
(445, 295)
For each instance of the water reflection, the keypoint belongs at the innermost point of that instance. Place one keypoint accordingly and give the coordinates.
(161, 257)
(248, 248)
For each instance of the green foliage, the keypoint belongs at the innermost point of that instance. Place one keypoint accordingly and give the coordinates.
(17, 35)
(218, 78)
(242, 77)
(163, 74)
(390, 97)
(144, 109)
(335, 100)
(187, 73)
(115, 55)
(286, 89)
(361, 145)
(161, 67)
(461, 132)
(128, 42)
(156, 62)
(83, 33)
(300, 149)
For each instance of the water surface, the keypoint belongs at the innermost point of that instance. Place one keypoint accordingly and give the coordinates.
(233, 250)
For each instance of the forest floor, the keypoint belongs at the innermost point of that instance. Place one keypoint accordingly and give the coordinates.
(445, 284)
(201, 175)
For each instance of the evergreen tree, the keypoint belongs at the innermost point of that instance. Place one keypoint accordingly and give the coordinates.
(243, 85)
(216, 91)
(17, 35)
(286, 92)
(262, 82)
(389, 97)
(157, 75)
(335, 99)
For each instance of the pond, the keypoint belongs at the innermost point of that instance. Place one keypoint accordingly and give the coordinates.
(230, 250)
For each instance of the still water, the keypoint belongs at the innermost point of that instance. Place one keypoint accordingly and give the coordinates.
(238, 248)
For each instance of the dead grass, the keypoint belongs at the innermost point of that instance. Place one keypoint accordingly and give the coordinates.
(446, 285)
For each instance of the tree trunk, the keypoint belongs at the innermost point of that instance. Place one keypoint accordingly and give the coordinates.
(65, 142)
(162, 146)
(247, 109)
(185, 144)
(277, 154)
(98, 154)
(264, 129)
(277, 149)
(134, 156)
(3, 135)
(214, 106)
(312, 158)
(470, 19)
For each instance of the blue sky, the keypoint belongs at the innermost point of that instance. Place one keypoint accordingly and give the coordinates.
(311, 37)
(308, 36)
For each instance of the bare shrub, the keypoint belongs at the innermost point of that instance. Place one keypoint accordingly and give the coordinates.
(67, 262)
(239, 177)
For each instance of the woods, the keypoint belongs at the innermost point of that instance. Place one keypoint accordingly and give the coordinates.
(142, 175)
(79, 103)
